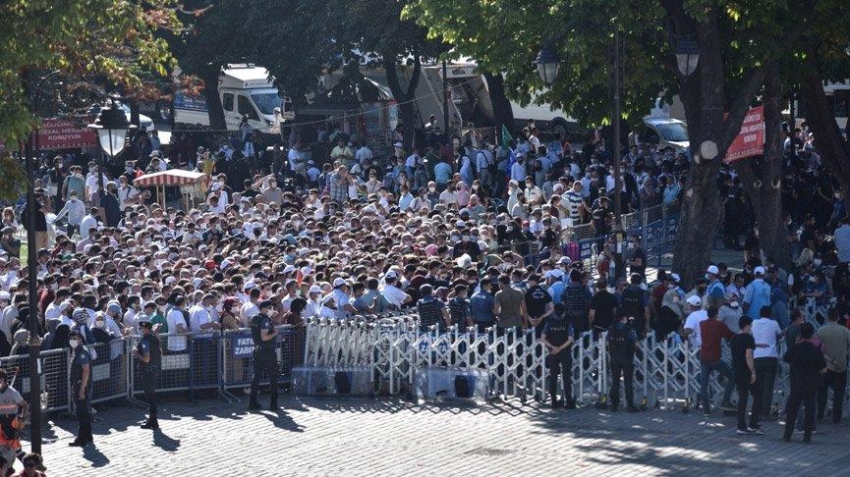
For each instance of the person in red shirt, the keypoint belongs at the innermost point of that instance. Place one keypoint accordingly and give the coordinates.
(712, 332)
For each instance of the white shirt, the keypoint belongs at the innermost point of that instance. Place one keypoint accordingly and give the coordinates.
(363, 153)
(693, 321)
(295, 157)
(765, 332)
(312, 309)
(88, 222)
(53, 312)
(175, 342)
(247, 311)
(394, 295)
(198, 315)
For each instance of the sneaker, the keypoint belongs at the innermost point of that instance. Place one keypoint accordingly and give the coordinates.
(728, 406)
(79, 443)
(706, 413)
(743, 432)
(755, 430)
(150, 425)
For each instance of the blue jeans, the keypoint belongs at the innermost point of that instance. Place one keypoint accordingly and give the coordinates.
(705, 373)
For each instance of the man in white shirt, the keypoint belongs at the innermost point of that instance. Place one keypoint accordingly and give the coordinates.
(392, 293)
(89, 222)
(697, 315)
(177, 325)
(249, 307)
(76, 211)
(766, 333)
(199, 315)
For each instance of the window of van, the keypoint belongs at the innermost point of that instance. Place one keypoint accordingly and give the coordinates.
(228, 102)
(247, 109)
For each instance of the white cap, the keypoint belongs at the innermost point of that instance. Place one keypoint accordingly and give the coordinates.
(398, 145)
(306, 271)
(759, 271)
(675, 277)
(694, 300)
(391, 275)
(338, 282)
(196, 282)
(733, 304)
(565, 260)
(250, 285)
(4, 295)
(170, 279)
(289, 269)
(713, 270)
(315, 289)
(225, 263)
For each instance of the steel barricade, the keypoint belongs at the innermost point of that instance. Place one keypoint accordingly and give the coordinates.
(109, 373)
(56, 388)
(175, 373)
(588, 371)
(237, 357)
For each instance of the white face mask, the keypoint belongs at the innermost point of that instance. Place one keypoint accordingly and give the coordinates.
(74, 343)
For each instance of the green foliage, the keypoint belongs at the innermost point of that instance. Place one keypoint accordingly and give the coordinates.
(112, 42)
(13, 180)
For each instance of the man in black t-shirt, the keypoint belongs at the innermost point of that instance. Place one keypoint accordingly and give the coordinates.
(743, 345)
(637, 257)
(538, 304)
(603, 307)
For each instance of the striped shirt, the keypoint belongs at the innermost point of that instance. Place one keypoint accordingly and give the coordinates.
(573, 201)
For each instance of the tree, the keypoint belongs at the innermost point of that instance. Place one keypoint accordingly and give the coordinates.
(735, 39)
(100, 40)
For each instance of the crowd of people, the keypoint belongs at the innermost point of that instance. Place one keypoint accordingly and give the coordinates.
(472, 234)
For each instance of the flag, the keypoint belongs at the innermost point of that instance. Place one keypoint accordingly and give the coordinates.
(506, 136)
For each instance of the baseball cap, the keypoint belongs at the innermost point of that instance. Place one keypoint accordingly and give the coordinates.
(694, 300)
(390, 275)
(265, 304)
(733, 304)
(759, 271)
(338, 282)
(713, 270)
(114, 307)
(675, 277)
(315, 289)
(250, 285)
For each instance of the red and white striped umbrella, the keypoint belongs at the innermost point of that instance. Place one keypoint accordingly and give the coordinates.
(175, 177)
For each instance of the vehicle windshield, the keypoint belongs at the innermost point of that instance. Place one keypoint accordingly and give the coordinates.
(266, 102)
(676, 132)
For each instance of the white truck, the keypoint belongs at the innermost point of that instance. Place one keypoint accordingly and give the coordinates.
(245, 90)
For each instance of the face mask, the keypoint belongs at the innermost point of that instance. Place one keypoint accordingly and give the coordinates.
(432, 189)
(631, 246)
(465, 238)
(161, 308)
(73, 199)
(74, 343)
(54, 286)
(817, 262)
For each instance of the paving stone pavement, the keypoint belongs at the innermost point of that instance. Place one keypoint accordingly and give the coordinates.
(387, 437)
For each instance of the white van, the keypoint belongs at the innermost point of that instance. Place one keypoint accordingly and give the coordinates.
(245, 90)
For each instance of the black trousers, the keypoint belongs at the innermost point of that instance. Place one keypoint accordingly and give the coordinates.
(561, 363)
(83, 408)
(265, 361)
(766, 369)
(807, 398)
(149, 378)
(625, 369)
(744, 390)
(837, 382)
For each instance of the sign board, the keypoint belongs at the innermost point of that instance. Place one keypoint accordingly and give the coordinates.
(242, 345)
(750, 141)
(67, 133)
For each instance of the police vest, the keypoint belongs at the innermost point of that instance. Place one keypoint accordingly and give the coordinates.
(633, 303)
(620, 347)
(259, 323)
(575, 301)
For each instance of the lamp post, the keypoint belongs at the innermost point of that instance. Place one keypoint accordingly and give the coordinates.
(111, 125)
(687, 55)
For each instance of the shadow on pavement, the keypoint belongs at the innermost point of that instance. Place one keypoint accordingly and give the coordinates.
(161, 440)
(92, 454)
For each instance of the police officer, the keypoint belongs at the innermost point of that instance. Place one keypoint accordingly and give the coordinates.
(149, 354)
(557, 336)
(13, 411)
(622, 341)
(636, 304)
(81, 387)
(264, 333)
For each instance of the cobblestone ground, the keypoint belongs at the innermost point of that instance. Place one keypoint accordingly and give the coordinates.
(362, 437)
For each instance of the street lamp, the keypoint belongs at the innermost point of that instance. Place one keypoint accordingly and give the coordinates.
(548, 63)
(112, 127)
(687, 55)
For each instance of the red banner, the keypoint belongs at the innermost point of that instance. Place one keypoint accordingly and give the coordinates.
(65, 134)
(750, 141)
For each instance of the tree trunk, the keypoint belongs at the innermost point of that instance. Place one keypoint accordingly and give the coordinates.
(405, 98)
(503, 113)
(834, 150)
(772, 233)
(214, 107)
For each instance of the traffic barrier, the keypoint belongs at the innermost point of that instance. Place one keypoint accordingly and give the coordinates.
(236, 358)
(109, 373)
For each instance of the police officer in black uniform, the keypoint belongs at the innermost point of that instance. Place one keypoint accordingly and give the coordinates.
(149, 354)
(264, 333)
(81, 387)
(558, 338)
(636, 304)
(622, 341)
